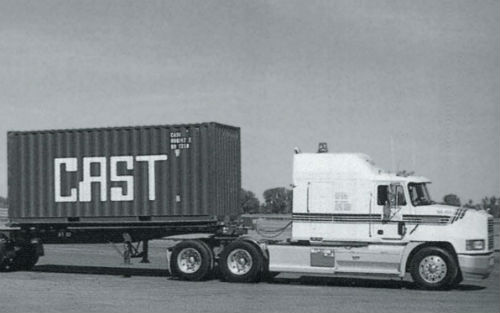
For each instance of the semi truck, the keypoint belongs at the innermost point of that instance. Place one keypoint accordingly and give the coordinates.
(350, 218)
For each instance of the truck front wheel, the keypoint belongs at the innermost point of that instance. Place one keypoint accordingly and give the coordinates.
(241, 261)
(433, 268)
(191, 260)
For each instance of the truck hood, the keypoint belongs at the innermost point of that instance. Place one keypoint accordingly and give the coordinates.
(436, 209)
(455, 213)
(443, 209)
(452, 212)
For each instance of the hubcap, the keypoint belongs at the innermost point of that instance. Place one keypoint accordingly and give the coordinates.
(189, 260)
(239, 262)
(433, 269)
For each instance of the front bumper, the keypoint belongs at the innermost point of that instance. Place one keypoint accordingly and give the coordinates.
(476, 266)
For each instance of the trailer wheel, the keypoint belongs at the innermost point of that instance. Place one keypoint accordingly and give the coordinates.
(5, 266)
(25, 259)
(191, 260)
(5, 263)
(433, 268)
(241, 261)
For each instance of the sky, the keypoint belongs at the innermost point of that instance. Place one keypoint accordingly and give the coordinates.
(413, 84)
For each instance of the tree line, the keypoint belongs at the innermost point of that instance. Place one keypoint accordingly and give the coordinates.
(276, 200)
(489, 204)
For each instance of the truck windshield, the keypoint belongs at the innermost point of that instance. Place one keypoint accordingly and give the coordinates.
(419, 194)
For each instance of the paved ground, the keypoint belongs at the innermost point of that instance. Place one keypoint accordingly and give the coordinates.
(92, 278)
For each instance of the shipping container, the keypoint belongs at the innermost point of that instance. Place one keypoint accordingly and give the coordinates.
(124, 174)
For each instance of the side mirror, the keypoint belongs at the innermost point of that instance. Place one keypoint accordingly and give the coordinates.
(387, 212)
(392, 201)
(393, 195)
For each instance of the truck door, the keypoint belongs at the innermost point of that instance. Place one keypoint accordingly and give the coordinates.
(391, 205)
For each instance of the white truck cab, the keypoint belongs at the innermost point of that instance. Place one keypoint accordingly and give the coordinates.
(351, 217)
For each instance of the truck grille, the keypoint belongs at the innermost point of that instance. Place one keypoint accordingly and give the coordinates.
(490, 234)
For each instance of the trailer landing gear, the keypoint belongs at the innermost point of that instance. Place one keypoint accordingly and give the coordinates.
(131, 251)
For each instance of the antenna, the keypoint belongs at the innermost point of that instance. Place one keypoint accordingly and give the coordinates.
(393, 161)
(413, 156)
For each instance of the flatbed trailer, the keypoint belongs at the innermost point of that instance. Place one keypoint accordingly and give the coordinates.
(22, 245)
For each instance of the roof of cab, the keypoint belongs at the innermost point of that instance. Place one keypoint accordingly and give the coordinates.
(332, 166)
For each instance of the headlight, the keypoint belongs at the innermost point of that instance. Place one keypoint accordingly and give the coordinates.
(477, 244)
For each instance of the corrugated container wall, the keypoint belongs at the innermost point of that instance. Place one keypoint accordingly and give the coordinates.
(124, 174)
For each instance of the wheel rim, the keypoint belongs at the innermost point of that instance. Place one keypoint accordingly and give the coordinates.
(433, 269)
(239, 262)
(189, 260)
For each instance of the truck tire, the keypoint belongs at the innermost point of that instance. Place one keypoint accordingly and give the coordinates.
(458, 279)
(240, 262)
(25, 259)
(191, 260)
(434, 268)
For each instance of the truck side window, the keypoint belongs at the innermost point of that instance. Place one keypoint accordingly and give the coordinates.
(382, 194)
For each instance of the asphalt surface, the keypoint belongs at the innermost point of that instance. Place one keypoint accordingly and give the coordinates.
(93, 278)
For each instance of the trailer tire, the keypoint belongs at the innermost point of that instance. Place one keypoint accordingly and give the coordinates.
(434, 268)
(5, 266)
(5, 261)
(25, 259)
(191, 260)
(241, 261)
